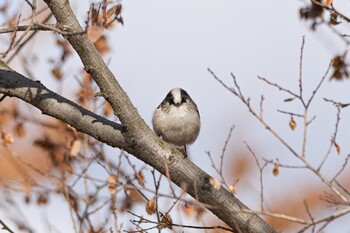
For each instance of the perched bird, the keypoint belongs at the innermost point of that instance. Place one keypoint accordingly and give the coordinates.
(177, 119)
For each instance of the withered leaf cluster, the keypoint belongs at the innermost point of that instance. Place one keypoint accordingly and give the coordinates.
(340, 67)
(313, 13)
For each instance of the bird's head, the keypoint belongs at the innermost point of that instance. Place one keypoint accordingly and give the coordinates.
(177, 96)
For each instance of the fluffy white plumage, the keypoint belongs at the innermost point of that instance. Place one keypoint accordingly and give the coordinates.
(177, 119)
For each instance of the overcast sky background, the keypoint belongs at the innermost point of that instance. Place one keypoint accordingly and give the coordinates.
(167, 44)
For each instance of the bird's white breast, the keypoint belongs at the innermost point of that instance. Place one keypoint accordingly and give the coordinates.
(178, 125)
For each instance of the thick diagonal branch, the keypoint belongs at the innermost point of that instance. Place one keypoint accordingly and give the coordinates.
(33, 92)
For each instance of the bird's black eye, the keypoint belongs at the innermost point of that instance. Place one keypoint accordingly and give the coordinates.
(170, 98)
(184, 93)
(184, 96)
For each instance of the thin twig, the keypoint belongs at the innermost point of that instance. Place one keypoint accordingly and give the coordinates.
(261, 169)
(342, 168)
(5, 227)
(31, 6)
(174, 203)
(156, 187)
(178, 225)
(290, 113)
(319, 84)
(278, 137)
(279, 87)
(261, 106)
(331, 10)
(225, 147)
(301, 69)
(169, 178)
(21, 45)
(284, 165)
(333, 139)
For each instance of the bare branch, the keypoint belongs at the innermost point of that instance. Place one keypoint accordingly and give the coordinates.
(161, 225)
(261, 169)
(301, 69)
(278, 137)
(39, 27)
(319, 84)
(225, 147)
(342, 168)
(279, 87)
(332, 10)
(52, 104)
(290, 113)
(5, 227)
(333, 139)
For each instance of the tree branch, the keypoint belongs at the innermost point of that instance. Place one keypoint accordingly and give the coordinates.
(134, 136)
(33, 92)
(5, 227)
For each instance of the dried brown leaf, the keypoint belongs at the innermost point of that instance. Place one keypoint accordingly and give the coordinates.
(94, 16)
(275, 170)
(151, 206)
(289, 99)
(94, 33)
(128, 190)
(57, 73)
(87, 79)
(200, 212)
(3, 117)
(140, 178)
(107, 109)
(73, 201)
(132, 194)
(115, 10)
(13, 21)
(42, 199)
(65, 167)
(233, 189)
(328, 2)
(84, 94)
(188, 208)
(292, 123)
(334, 19)
(167, 221)
(66, 48)
(75, 147)
(7, 138)
(112, 189)
(19, 129)
(112, 179)
(101, 45)
(59, 186)
(337, 147)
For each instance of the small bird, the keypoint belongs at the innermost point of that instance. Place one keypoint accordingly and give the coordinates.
(177, 119)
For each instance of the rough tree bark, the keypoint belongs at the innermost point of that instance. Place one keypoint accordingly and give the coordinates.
(132, 135)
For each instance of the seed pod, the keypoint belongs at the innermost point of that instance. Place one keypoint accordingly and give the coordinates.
(337, 147)
(275, 170)
(151, 206)
(292, 123)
